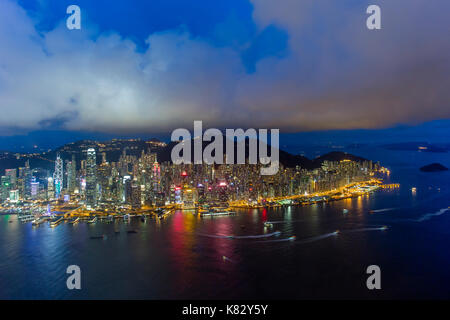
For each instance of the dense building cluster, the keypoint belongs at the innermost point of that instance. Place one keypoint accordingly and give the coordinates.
(137, 181)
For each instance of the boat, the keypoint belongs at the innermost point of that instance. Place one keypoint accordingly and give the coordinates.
(268, 224)
(74, 220)
(161, 213)
(292, 238)
(39, 221)
(217, 212)
(93, 220)
(99, 237)
(56, 221)
(26, 217)
(126, 218)
(345, 211)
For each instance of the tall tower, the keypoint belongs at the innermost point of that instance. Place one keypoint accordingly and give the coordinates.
(91, 179)
(156, 177)
(50, 189)
(28, 177)
(71, 169)
(58, 177)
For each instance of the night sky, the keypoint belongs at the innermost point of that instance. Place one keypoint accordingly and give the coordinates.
(144, 68)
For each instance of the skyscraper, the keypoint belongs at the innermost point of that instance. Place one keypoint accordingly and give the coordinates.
(27, 180)
(71, 174)
(91, 179)
(58, 177)
(12, 173)
(50, 188)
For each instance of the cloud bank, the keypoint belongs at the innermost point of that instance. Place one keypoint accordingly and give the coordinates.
(335, 75)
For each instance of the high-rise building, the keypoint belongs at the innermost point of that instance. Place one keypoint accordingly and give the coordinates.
(14, 195)
(5, 187)
(34, 190)
(135, 195)
(127, 182)
(156, 177)
(58, 175)
(50, 188)
(71, 169)
(91, 179)
(12, 174)
(27, 180)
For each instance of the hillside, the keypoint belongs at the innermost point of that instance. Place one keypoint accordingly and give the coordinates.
(114, 149)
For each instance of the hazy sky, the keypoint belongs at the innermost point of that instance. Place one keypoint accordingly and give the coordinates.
(152, 66)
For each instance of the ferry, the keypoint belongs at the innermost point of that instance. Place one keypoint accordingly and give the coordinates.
(104, 237)
(74, 220)
(345, 211)
(26, 217)
(161, 213)
(216, 212)
(56, 221)
(268, 224)
(38, 221)
(93, 220)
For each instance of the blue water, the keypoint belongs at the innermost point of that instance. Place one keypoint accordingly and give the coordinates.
(189, 257)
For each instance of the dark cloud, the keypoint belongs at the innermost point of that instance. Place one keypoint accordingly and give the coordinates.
(332, 74)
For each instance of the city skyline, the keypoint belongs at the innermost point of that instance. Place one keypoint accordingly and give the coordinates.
(139, 180)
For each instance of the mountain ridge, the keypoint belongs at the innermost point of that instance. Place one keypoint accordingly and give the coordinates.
(114, 149)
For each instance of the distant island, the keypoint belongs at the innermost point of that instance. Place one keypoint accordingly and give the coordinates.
(434, 167)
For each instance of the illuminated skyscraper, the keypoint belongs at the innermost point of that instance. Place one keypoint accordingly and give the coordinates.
(156, 177)
(12, 173)
(135, 195)
(27, 180)
(14, 195)
(91, 179)
(58, 177)
(71, 174)
(50, 188)
(34, 190)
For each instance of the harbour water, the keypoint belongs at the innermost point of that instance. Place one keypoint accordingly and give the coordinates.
(237, 256)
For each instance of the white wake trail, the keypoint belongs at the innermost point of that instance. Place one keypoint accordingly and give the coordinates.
(382, 210)
(428, 216)
(223, 236)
